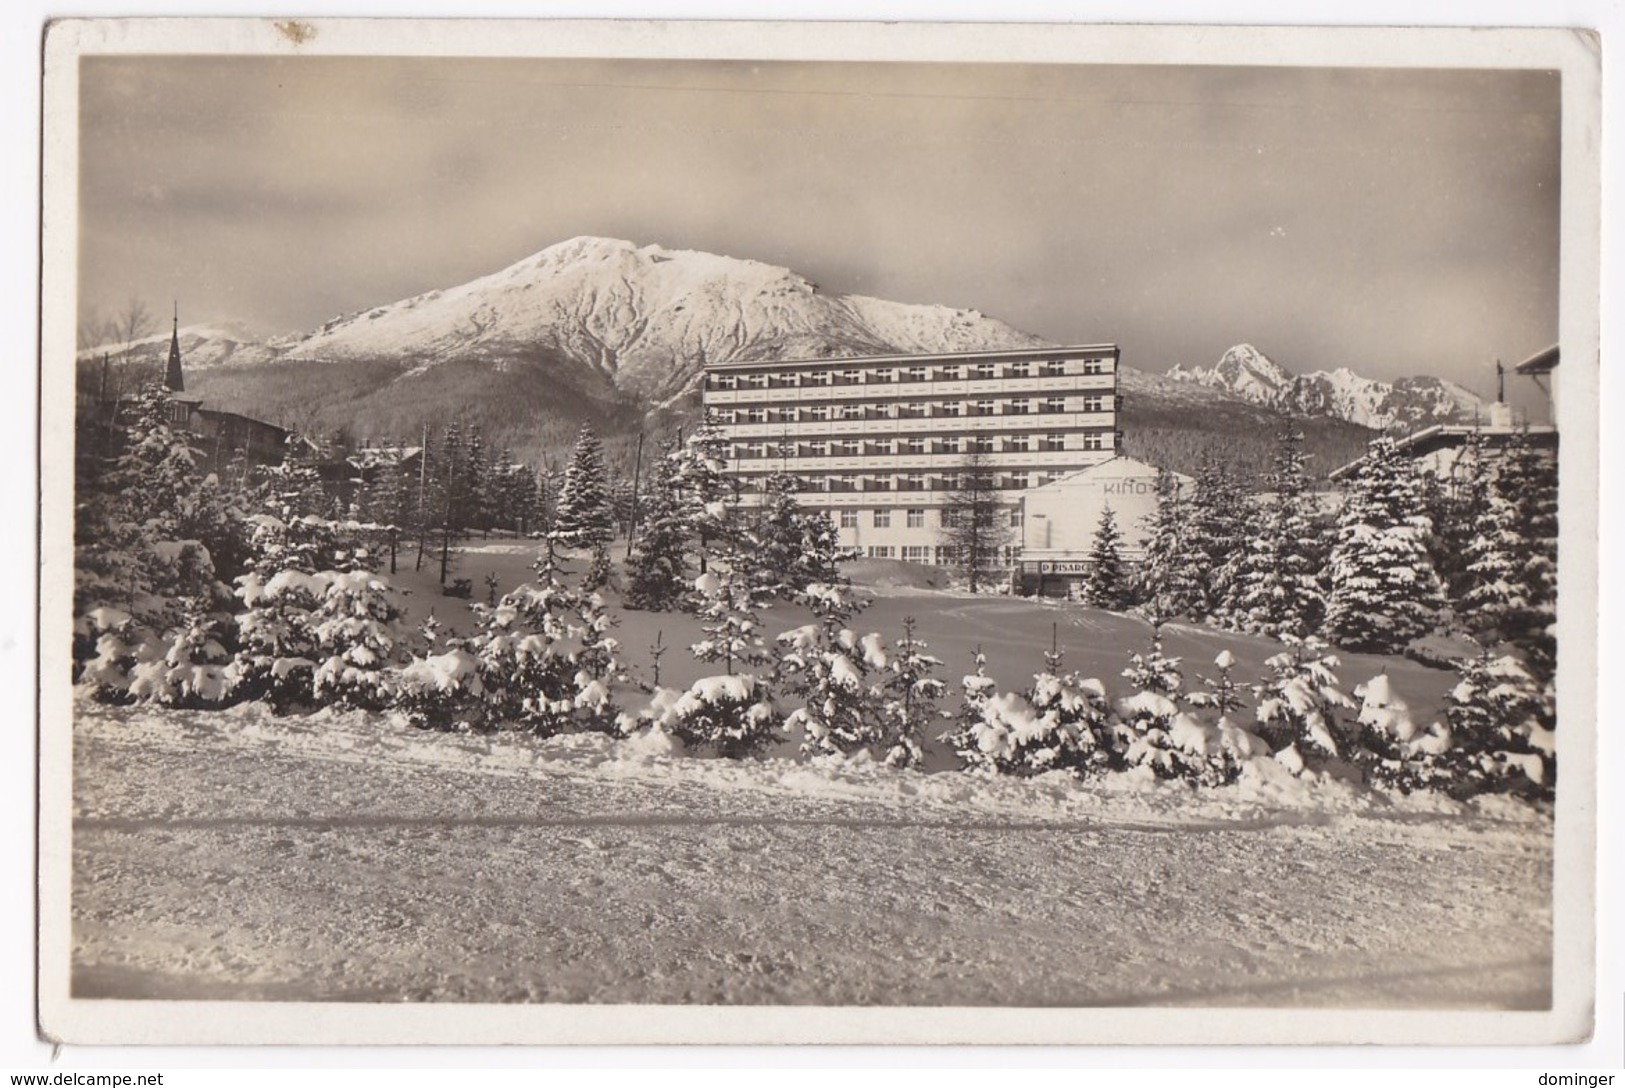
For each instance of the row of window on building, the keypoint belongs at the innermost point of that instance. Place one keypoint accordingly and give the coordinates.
(1048, 368)
(1054, 442)
(943, 555)
(913, 409)
(910, 481)
(913, 518)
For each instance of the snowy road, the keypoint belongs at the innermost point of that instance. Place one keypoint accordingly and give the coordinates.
(230, 858)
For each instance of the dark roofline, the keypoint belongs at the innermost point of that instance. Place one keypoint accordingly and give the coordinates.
(919, 356)
(203, 410)
(1542, 362)
(1444, 430)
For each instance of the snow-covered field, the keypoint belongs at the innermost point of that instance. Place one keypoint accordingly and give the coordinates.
(346, 857)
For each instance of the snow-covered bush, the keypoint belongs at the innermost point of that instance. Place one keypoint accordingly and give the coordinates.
(117, 645)
(909, 695)
(315, 639)
(1216, 749)
(524, 646)
(356, 635)
(733, 715)
(1158, 733)
(1299, 701)
(1496, 714)
(825, 666)
(441, 691)
(541, 659)
(276, 658)
(193, 671)
(1062, 723)
(1398, 752)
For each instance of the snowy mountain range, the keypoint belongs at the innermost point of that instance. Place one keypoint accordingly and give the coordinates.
(645, 320)
(1248, 374)
(606, 330)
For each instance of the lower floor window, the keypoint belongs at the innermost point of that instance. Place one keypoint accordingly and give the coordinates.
(880, 551)
(916, 553)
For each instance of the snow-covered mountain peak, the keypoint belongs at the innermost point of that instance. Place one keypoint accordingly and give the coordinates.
(646, 318)
(1244, 366)
(1248, 373)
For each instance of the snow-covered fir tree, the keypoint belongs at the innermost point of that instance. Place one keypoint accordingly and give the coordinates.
(787, 547)
(1171, 579)
(1106, 585)
(656, 572)
(1383, 591)
(1396, 750)
(148, 528)
(1278, 578)
(293, 488)
(1216, 535)
(1299, 704)
(1528, 480)
(585, 518)
(821, 551)
(524, 653)
(1062, 723)
(733, 713)
(1161, 728)
(1499, 731)
(771, 549)
(193, 669)
(1152, 719)
(1221, 693)
(1493, 586)
(707, 493)
(909, 695)
(975, 689)
(1454, 505)
(598, 664)
(729, 614)
(478, 486)
(277, 643)
(449, 498)
(355, 625)
(825, 666)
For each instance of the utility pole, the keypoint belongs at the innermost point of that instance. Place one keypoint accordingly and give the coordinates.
(423, 491)
(637, 471)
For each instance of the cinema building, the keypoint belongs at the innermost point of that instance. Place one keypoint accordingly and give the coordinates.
(880, 440)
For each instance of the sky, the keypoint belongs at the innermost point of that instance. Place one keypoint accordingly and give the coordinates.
(1392, 221)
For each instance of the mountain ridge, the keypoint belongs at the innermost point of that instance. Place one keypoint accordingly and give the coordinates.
(1403, 404)
(618, 334)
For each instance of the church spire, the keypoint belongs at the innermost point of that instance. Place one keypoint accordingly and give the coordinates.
(173, 377)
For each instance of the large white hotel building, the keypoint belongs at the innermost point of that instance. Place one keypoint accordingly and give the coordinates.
(880, 440)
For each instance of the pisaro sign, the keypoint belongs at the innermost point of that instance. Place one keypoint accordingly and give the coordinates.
(1063, 566)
